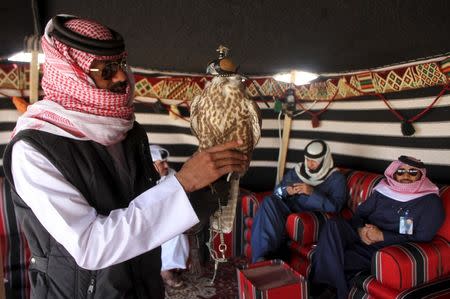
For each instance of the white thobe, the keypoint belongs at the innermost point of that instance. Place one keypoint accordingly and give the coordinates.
(97, 241)
(175, 252)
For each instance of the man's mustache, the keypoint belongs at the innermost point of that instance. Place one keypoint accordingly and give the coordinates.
(119, 87)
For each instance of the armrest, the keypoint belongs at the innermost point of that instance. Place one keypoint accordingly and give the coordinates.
(251, 202)
(407, 265)
(304, 227)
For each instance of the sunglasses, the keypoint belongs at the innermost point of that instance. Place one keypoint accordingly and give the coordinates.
(411, 172)
(111, 68)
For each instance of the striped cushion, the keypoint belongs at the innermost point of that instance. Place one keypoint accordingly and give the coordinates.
(444, 231)
(248, 222)
(366, 286)
(304, 227)
(248, 251)
(360, 185)
(248, 235)
(407, 265)
(301, 265)
(437, 289)
(444, 249)
(14, 247)
(251, 202)
(301, 257)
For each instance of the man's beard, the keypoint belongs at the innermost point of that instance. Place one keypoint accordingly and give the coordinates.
(119, 87)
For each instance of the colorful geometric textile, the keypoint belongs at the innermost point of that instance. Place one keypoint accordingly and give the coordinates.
(186, 87)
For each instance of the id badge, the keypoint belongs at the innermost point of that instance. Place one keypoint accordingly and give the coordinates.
(406, 225)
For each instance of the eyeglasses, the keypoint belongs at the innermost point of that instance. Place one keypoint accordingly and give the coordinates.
(411, 172)
(111, 68)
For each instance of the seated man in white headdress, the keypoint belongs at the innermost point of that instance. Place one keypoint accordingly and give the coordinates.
(314, 185)
(175, 252)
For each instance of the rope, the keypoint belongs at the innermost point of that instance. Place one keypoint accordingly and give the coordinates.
(395, 112)
(315, 115)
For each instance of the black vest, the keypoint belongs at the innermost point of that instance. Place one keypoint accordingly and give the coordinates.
(89, 167)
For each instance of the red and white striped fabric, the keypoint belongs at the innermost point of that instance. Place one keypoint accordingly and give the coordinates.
(106, 115)
(66, 80)
(405, 192)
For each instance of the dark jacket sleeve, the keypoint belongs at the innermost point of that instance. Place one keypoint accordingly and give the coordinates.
(427, 222)
(288, 179)
(363, 211)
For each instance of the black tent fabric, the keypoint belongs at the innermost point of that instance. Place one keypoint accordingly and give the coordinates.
(265, 36)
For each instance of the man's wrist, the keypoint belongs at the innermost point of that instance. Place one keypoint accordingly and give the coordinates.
(185, 183)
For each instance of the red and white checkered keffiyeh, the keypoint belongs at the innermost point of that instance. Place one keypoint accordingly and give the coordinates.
(67, 84)
(405, 191)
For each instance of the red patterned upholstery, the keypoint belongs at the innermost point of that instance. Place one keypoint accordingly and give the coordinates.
(400, 271)
(370, 284)
(304, 228)
(360, 185)
(367, 286)
(405, 266)
(444, 231)
(411, 270)
(251, 202)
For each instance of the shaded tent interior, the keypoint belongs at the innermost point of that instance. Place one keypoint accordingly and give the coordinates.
(265, 36)
(171, 41)
(175, 40)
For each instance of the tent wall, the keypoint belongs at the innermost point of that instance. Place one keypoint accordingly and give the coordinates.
(362, 133)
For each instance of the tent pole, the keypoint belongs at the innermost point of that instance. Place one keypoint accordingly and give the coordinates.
(34, 76)
(286, 132)
(284, 146)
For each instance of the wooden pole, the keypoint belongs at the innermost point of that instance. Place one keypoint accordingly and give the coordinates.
(34, 76)
(285, 141)
(284, 146)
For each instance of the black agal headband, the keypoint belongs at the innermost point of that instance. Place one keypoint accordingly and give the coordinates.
(316, 155)
(75, 40)
(411, 162)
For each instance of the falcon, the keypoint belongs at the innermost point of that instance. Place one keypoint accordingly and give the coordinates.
(224, 112)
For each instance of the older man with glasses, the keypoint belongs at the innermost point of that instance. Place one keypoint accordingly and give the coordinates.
(405, 206)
